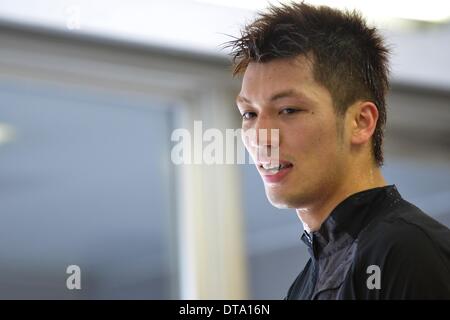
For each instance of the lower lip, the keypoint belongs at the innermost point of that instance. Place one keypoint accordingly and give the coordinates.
(277, 177)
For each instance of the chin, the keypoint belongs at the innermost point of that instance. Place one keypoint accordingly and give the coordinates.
(279, 201)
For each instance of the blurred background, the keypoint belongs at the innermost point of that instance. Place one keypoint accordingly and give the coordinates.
(90, 92)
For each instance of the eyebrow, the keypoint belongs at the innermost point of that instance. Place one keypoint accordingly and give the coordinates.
(290, 93)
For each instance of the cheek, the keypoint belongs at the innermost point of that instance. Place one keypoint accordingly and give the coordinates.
(313, 139)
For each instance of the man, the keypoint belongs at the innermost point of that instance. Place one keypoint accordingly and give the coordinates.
(320, 77)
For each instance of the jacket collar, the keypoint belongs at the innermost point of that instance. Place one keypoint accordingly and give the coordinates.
(348, 218)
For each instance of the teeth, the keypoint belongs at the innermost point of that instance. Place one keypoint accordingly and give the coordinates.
(268, 167)
(274, 168)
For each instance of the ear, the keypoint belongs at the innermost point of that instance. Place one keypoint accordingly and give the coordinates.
(364, 117)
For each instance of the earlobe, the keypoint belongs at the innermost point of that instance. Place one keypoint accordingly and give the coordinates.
(364, 118)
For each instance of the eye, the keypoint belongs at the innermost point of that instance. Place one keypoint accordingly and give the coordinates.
(248, 115)
(288, 111)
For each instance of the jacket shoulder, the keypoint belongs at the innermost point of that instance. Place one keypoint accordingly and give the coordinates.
(405, 226)
(412, 251)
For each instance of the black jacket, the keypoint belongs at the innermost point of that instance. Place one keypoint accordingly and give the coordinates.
(376, 245)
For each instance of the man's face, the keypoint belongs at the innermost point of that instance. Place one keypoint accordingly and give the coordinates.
(282, 94)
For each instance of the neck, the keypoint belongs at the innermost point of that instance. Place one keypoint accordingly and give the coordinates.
(313, 215)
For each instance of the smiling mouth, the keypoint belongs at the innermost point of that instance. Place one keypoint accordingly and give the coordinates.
(269, 169)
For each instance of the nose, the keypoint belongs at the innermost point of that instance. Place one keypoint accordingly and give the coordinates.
(263, 139)
(266, 133)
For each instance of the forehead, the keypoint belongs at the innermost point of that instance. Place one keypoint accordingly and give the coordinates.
(262, 80)
(298, 67)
